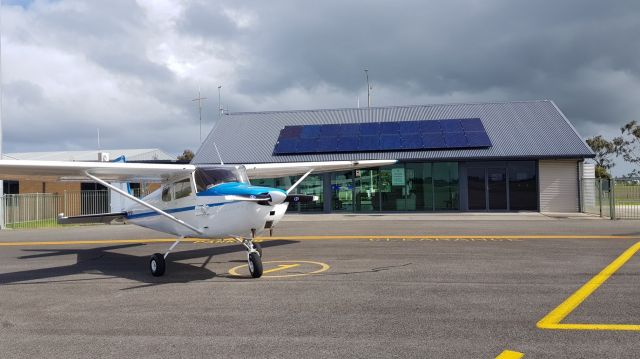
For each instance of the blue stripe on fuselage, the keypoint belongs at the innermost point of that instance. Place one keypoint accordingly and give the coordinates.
(237, 189)
(173, 210)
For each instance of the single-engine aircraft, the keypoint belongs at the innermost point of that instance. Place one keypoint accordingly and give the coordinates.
(202, 201)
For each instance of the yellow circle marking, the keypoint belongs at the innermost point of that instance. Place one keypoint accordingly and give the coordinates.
(286, 265)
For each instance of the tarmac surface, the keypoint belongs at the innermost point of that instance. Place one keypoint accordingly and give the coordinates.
(361, 287)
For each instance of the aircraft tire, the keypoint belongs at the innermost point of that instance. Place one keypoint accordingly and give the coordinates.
(258, 248)
(255, 265)
(157, 265)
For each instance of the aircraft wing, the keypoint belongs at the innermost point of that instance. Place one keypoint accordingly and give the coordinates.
(274, 170)
(75, 171)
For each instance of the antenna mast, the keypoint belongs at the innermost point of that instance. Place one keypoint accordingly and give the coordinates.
(199, 99)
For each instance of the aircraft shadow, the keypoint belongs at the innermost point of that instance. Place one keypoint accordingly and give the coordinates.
(105, 262)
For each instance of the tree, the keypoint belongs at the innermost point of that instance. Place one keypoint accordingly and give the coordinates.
(628, 145)
(187, 155)
(604, 151)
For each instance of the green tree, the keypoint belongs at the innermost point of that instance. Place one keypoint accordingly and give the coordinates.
(187, 155)
(604, 151)
(628, 145)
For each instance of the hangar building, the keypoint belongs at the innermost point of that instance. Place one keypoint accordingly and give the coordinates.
(502, 156)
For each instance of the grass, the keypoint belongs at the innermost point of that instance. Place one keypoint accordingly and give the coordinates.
(43, 223)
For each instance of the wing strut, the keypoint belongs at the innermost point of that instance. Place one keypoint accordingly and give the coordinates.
(137, 200)
(299, 181)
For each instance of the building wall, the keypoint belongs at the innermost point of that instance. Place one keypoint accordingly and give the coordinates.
(48, 187)
(559, 186)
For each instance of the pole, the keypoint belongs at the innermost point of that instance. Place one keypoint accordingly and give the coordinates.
(199, 99)
(220, 110)
(366, 73)
(2, 207)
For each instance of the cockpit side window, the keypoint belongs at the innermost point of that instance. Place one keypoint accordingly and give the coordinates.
(182, 188)
(166, 193)
(208, 177)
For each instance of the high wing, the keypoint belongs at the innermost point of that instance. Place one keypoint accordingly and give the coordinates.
(274, 170)
(76, 171)
(137, 172)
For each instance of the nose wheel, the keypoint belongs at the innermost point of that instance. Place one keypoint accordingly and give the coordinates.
(255, 264)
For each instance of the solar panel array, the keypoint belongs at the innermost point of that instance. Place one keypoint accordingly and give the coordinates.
(383, 136)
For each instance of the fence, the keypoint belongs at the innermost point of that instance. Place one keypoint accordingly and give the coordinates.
(37, 210)
(611, 198)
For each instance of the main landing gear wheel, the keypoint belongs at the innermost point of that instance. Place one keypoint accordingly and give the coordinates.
(157, 265)
(255, 264)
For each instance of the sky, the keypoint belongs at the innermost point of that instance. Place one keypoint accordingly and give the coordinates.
(132, 68)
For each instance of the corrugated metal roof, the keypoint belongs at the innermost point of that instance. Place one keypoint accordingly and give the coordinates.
(144, 154)
(525, 129)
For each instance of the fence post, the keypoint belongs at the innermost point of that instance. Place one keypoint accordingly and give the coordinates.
(612, 198)
(600, 194)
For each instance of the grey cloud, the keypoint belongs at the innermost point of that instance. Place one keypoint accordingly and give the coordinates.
(24, 93)
(582, 54)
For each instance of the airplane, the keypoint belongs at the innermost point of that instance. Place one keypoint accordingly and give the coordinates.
(201, 201)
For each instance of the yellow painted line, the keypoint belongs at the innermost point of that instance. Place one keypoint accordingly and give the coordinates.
(508, 354)
(302, 238)
(281, 267)
(553, 319)
(323, 267)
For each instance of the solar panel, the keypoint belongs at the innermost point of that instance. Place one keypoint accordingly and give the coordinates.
(310, 131)
(370, 129)
(390, 142)
(383, 136)
(368, 143)
(389, 128)
(433, 126)
(451, 126)
(348, 143)
(409, 127)
(291, 132)
(330, 130)
(286, 145)
(327, 144)
(352, 129)
(478, 139)
(307, 145)
(432, 140)
(411, 141)
(472, 124)
(455, 139)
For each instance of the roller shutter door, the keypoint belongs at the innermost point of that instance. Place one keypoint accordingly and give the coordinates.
(558, 185)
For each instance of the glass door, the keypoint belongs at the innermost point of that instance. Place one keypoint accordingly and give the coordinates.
(367, 196)
(476, 185)
(342, 191)
(497, 185)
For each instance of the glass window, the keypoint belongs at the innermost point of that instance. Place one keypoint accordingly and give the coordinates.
(445, 185)
(497, 185)
(182, 188)
(367, 193)
(166, 193)
(342, 190)
(312, 185)
(393, 186)
(523, 192)
(207, 177)
(419, 191)
(477, 188)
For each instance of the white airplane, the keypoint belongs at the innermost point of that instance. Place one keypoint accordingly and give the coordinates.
(202, 201)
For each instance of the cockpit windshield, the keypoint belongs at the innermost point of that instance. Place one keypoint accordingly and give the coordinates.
(207, 177)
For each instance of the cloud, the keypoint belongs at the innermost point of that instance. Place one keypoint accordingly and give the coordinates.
(133, 67)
